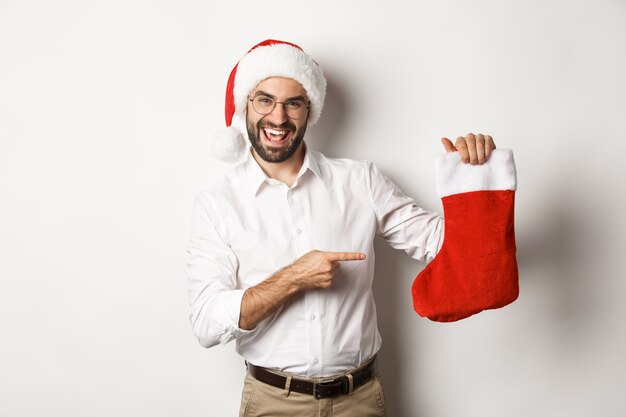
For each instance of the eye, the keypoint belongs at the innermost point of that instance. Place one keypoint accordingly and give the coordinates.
(264, 100)
(295, 104)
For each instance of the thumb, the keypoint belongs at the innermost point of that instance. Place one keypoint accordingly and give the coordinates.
(447, 143)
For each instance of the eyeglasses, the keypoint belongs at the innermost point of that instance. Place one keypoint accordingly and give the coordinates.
(264, 105)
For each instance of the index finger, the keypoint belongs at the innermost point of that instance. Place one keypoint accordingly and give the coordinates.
(345, 256)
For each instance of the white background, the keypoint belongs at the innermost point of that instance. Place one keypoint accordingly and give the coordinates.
(105, 113)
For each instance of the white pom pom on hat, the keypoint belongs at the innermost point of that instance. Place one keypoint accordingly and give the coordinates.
(270, 58)
(228, 145)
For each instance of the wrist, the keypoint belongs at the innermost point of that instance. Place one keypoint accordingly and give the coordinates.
(289, 280)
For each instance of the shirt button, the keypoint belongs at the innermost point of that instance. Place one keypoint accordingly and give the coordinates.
(299, 231)
(312, 316)
(315, 361)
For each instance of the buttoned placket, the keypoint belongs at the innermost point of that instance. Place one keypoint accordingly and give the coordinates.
(302, 245)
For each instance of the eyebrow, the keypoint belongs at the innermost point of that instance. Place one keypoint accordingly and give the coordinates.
(273, 97)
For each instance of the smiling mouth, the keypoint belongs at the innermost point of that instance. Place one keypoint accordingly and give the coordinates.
(276, 136)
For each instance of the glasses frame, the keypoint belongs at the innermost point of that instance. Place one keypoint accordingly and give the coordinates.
(308, 107)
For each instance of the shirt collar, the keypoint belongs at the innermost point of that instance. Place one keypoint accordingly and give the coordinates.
(255, 177)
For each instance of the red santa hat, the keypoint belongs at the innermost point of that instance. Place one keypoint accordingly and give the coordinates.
(270, 58)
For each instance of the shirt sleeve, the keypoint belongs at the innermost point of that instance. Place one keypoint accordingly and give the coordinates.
(214, 297)
(400, 221)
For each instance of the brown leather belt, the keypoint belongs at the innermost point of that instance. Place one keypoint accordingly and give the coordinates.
(325, 388)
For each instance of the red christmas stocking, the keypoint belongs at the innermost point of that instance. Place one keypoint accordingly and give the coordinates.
(476, 268)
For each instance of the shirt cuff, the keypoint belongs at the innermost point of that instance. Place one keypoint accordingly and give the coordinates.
(233, 311)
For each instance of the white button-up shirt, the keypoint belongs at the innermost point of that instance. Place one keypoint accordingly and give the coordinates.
(247, 226)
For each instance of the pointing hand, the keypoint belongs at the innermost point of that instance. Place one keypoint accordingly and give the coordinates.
(316, 269)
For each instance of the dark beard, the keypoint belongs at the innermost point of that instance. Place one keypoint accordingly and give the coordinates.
(269, 155)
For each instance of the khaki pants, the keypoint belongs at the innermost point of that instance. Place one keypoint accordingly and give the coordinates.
(262, 400)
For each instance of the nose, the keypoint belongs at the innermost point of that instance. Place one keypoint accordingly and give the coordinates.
(278, 116)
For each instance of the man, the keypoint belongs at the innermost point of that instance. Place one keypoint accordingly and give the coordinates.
(281, 248)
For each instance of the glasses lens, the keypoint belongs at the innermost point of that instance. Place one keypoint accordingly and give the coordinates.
(295, 109)
(263, 104)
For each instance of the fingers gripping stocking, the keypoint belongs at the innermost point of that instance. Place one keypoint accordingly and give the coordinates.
(476, 267)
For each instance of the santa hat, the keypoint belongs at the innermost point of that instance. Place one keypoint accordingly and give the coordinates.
(270, 58)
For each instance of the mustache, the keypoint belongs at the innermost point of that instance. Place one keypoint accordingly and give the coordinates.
(285, 126)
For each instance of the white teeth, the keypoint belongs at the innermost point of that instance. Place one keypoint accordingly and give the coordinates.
(275, 132)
